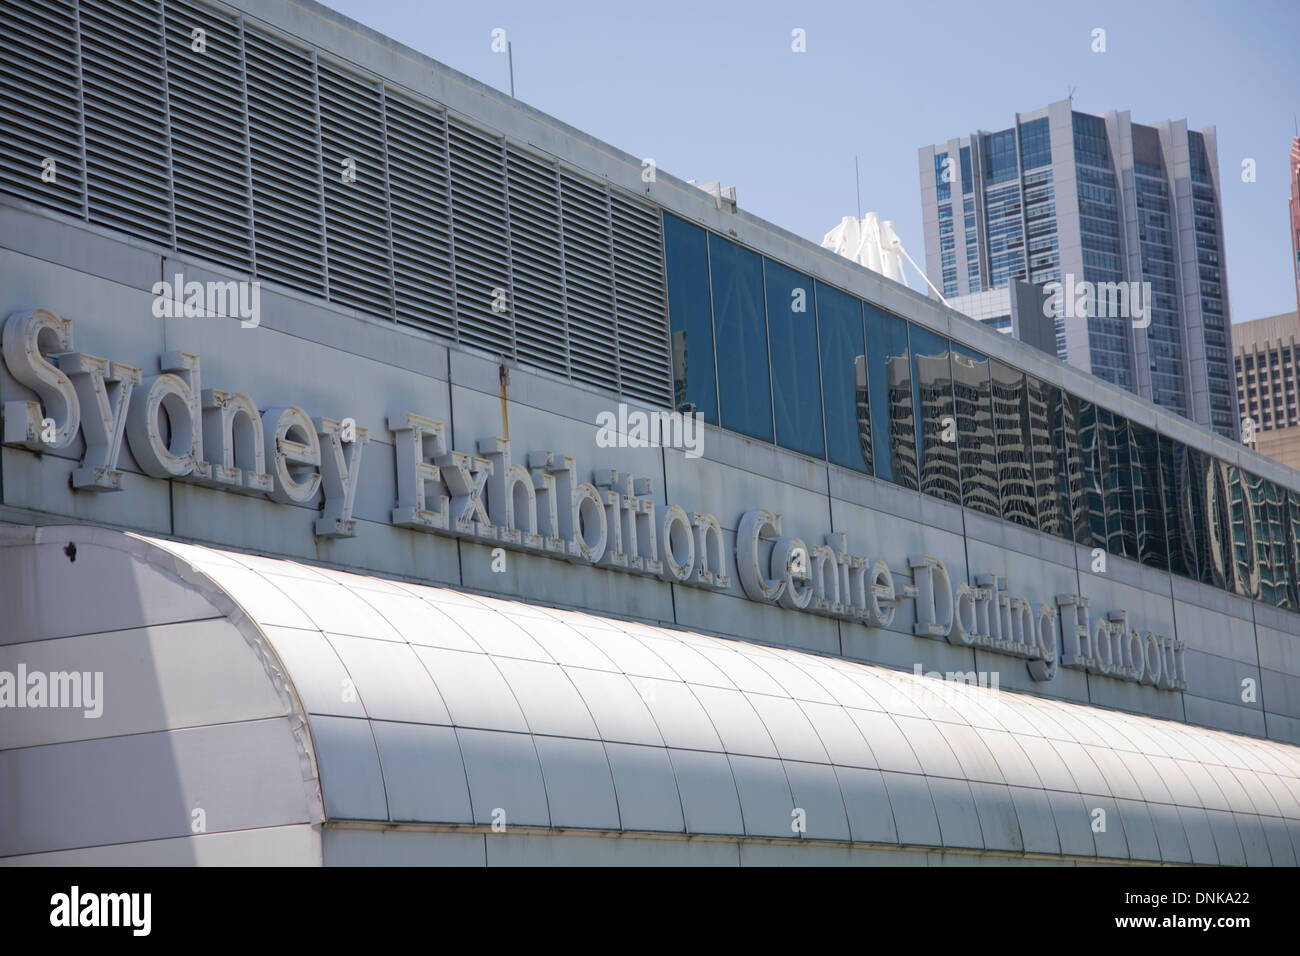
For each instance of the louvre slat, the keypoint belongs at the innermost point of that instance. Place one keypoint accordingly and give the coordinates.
(209, 164)
(478, 217)
(128, 168)
(356, 221)
(421, 214)
(234, 154)
(289, 246)
(535, 246)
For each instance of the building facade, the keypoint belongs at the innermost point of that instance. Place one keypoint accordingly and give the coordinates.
(1068, 197)
(415, 551)
(1016, 310)
(1266, 354)
(1294, 210)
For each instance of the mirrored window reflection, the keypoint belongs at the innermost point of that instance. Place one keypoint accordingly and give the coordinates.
(1011, 432)
(1291, 521)
(1070, 475)
(1212, 511)
(1042, 400)
(690, 318)
(936, 427)
(1266, 502)
(1279, 545)
(1121, 526)
(792, 333)
(889, 374)
(976, 446)
(1092, 449)
(844, 379)
(744, 385)
(1245, 578)
(1176, 504)
(1148, 505)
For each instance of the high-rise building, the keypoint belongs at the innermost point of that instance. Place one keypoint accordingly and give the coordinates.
(1266, 355)
(1295, 215)
(1125, 216)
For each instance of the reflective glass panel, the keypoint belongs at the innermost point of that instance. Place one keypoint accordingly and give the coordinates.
(1121, 526)
(1148, 505)
(796, 379)
(1291, 519)
(1180, 531)
(1043, 400)
(1212, 519)
(1070, 474)
(744, 388)
(691, 318)
(1011, 428)
(1092, 450)
(889, 374)
(1245, 572)
(976, 446)
(844, 379)
(1268, 504)
(935, 425)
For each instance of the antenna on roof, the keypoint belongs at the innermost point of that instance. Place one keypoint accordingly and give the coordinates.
(857, 176)
(510, 56)
(1071, 93)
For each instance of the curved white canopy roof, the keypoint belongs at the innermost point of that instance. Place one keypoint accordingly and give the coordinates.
(406, 704)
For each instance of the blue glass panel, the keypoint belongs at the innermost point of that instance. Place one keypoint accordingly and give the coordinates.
(691, 318)
(744, 386)
(1180, 531)
(792, 334)
(889, 373)
(844, 379)
(1148, 506)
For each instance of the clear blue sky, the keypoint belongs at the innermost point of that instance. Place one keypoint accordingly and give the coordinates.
(712, 91)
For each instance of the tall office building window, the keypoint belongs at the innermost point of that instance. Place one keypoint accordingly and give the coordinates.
(942, 177)
(1035, 144)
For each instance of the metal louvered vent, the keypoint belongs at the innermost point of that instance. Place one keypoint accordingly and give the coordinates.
(540, 335)
(589, 282)
(287, 173)
(128, 155)
(643, 358)
(235, 152)
(356, 191)
(205, 88)
(478, 225)
(40, 109)
(421, 214)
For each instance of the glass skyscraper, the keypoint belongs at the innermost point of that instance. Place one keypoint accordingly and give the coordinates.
(1064, 196)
